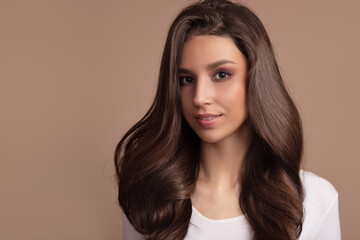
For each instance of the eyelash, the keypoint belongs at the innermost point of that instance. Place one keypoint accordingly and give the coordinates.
(192, 79)
(227, 75)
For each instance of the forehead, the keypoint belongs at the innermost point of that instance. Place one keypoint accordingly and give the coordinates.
(200, 50)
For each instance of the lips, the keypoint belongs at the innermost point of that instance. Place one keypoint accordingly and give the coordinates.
(207, 120)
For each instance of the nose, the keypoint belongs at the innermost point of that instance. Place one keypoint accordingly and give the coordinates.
(203, 92)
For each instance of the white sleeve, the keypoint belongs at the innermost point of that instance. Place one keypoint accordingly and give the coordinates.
(330, 227)
(129, 233)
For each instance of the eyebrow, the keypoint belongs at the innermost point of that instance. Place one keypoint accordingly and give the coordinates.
(209, 66)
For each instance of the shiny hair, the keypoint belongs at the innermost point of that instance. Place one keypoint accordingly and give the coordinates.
(157, 160)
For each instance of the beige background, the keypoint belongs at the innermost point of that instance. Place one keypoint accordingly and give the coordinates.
(75, 74)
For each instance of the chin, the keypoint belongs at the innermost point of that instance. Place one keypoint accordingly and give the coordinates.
(209, 138)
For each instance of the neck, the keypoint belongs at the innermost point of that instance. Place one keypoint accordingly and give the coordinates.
(221, 162)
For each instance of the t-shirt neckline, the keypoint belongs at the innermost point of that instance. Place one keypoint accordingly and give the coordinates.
(238, 218)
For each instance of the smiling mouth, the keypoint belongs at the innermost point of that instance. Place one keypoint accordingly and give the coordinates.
(207, 116)
(207, 120)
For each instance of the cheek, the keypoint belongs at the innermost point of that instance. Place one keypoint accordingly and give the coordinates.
(234, 97)
(185, 102)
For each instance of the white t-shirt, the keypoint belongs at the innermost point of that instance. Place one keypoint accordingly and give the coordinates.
(321, 222)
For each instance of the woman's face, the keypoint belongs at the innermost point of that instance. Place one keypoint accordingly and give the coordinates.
(213, 86)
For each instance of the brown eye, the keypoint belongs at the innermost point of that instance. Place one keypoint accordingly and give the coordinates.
(221, 75)
(186, 80)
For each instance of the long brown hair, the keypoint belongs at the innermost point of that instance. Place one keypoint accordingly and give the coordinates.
(157, 159)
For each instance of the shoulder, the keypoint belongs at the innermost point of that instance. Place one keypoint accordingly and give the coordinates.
(320, 206)
(317, 189)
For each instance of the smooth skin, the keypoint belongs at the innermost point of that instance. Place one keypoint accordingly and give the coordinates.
(213, 81)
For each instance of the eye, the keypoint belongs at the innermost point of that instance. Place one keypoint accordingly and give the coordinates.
(185, 80)
(221, 75)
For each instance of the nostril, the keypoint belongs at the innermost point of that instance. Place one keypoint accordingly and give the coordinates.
(201, 100)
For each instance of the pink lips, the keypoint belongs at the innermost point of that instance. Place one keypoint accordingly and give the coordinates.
(207, 120)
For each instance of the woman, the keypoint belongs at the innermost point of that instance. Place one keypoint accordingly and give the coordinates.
(218, 154)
